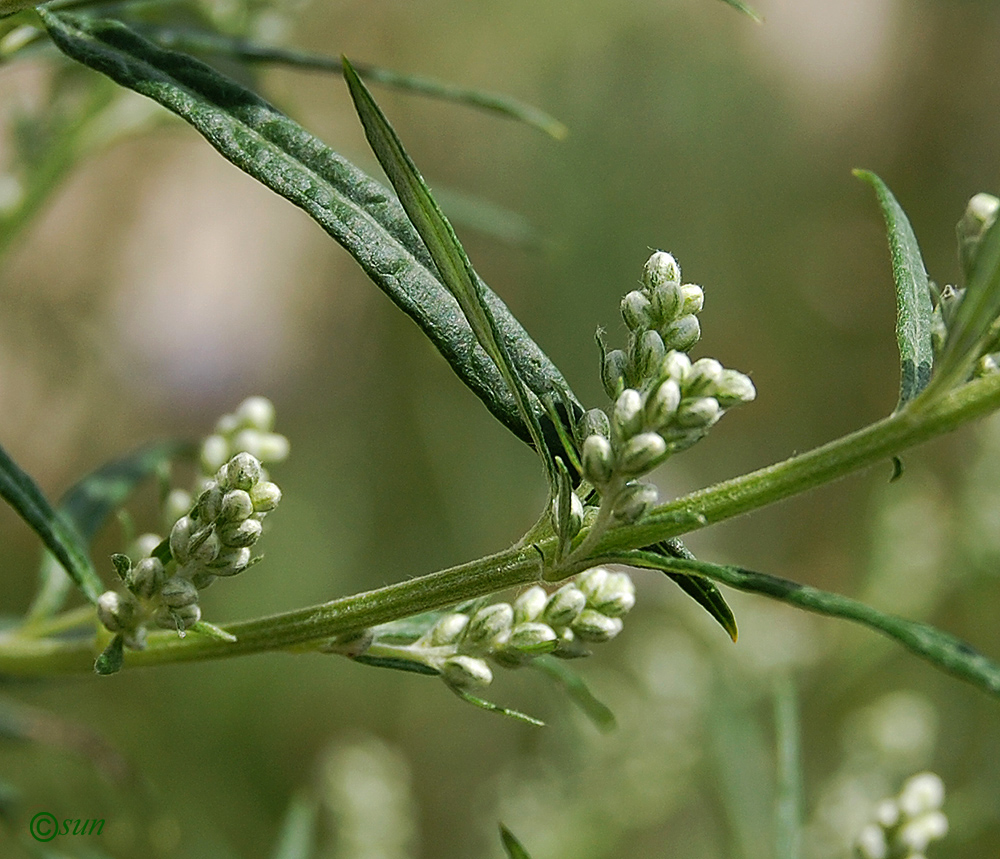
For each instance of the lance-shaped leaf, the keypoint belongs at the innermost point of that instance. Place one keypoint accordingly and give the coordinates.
(208, 42)
(453, 266)
(514, 848)
(745, 9)
(56, 532)
(577, 689)
(87, 506)
(361, 214)
(941, 649)
(913, 295)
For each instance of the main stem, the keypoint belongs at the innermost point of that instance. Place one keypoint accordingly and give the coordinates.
(923, 419)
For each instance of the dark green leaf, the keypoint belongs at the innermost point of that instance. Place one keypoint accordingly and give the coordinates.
(397, 663)
(745, 9)
(88, 504)
(113, 657)
(204, 41)
(512, 845)
(56, 532)
(913, 294)
(939, 648)
(700, 589)
(577, 689)
(453, 266)
(355, 210)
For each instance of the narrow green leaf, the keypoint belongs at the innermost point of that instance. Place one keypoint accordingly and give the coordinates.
(204, 41)
(913, 294)
(297, 839)
(449, 256)
(87, 505)
(745, 9)
(112, 658)
(517, 715)
(396, 663)
(210, 630)
(56, 532)
(700, 589)
(513, 847)
(579, 693)
(941, 649)
(358, 212)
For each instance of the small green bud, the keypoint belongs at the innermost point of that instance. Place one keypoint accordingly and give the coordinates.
(676, 365)
(682, 333)
(448, 629)
(214, 453)
(265, 446)
(533, 638)
(180, 618)
(564, 606)
(613, 372)
(180, 539)
(489, 626)
(641, 453)
(177, 503)
(466, 672)
(667, 301)
(662, 405)
(660, 268)
(178, 592)
(238, 535)
(591, 582)
(693, 299)
(979, 216)
(575, 522)
(209, 503)
(615, 597)
(241, 472)
(265, 496)
(115, 612)
(627, 418)
(633, 502)
(598, 460)
(703, 378)
(593, 626)
(147, 577)
(635, 309)
(530, 604)
(594, 422)
(701, 412)
(256, 413)
(236, 506)
(734, 388)
(647, 355)
(200, 579)
(231, 561)
(144, 544)
(570, 645)
(205, 548)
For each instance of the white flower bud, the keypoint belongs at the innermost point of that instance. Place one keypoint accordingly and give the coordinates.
(699, 412)
(594, 422)
(256, 413)
(661, 407)
(575, 522)
(533, 638)
(144, 544)
(448, 629)
(615, 597)
(231, 561)
(241, 472)
(682, 333)
(635, 309)
(871, 843)
(676, 366)
(633, 502)
(236, 506)
(265, 446)
(115, 612)
(489, 626)
(922, 793)
(593, 626)
(917, 834)
(209, 503)
(147, 576)
(978, 218)
(227, 425)
(466, 672)
(627, 416)
(180, 618)
(647, 355)
(641, 453)
(693, 299)
(887, 813)
(660, 268)
(265, 496)
(667, 302)
(530, 604)
(178, 592)
(205, 547)
(214, 453)
(238, 535)
(598, 460)
(591, 581)
(734, 388)
(177, 503)
(564, 606)
(613, 371)
(180, 539)
(703, 378)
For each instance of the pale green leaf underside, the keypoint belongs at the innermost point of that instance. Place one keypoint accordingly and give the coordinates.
(361, 214)
(913, 297)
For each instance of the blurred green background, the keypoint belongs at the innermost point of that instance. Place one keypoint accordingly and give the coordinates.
(160, 286)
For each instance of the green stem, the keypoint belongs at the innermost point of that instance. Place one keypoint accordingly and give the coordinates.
(520, 565)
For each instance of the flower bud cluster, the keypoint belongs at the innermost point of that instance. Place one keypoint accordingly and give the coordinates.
(907, 824)
(663, 402)
(209, 537)
(563, 623)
